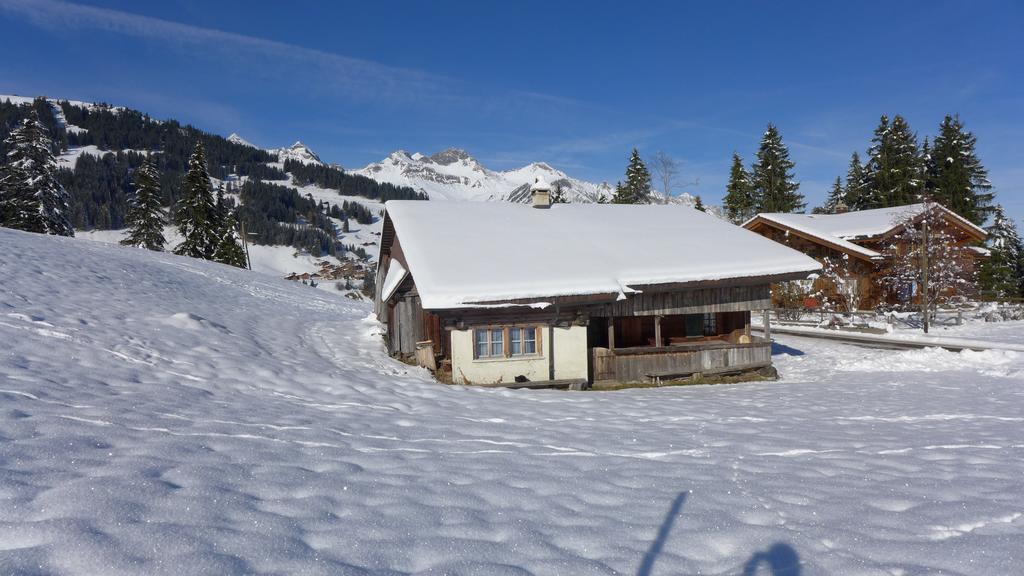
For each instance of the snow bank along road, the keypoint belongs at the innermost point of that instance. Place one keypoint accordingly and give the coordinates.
(160, 415)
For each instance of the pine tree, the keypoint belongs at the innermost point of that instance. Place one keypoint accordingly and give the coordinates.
(892, 176)
(960, 182)
(145, 214)
(196, 212)
(739, 197)
(854, 181)
(558, 194)
(637, 189)
(836, 197)
(772, 177)
(228, 250)
(699, 205)
(1002, 273)
(31, 198)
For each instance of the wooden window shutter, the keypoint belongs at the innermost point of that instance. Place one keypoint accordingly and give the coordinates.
(506, 344)
(540, 343)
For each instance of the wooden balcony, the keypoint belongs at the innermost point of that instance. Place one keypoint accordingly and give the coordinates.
(680, 359)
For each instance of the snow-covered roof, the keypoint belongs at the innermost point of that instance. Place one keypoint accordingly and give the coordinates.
(840, 229)
(816, 227)
(466, 253)
(396, 273)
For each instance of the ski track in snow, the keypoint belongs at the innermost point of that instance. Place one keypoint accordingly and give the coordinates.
(161, 415)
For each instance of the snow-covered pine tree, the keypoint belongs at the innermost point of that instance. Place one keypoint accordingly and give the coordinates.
(699, 204)
(1002, 273)
(739, 195)
(196, 212)
(854, 181)
(31, 198)
(892, 176)
(228, 250)
(145, 214)
(772, 177)
(17, 207)
(959, 180)
(637, 189)
(836, 198)
(948, 264)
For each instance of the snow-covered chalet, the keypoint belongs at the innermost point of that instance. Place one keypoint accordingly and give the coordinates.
(861, 238)
(546, 294)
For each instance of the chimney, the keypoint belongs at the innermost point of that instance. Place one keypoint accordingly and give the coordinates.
(541, 194)
(841, 208)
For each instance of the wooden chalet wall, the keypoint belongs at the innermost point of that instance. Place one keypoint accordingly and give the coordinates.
(696, 301)
(872, 291)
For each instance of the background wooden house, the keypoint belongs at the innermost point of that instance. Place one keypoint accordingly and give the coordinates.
(863, 237)
(501, 293)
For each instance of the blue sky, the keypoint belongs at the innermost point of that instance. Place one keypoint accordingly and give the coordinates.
(576, 84)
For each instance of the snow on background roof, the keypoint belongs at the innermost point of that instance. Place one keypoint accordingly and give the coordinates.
(468, 252)
(817, 228)
(863, 223)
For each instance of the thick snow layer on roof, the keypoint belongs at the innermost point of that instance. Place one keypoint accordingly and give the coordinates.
(863, 223)
(468, 252)
(819, 228)
(396, 273)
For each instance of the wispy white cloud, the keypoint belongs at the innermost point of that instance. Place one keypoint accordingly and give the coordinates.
(355, 77)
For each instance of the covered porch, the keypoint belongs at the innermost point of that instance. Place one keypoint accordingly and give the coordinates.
(651, 348)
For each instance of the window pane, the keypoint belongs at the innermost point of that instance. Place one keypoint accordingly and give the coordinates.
(694, 325)
(515, 341)
(529, 341)
(480, 337)
(497, 348)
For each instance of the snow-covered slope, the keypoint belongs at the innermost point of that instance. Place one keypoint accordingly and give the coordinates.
(455, 175)
(162, 415)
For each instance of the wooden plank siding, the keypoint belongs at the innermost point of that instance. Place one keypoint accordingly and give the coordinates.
(639, 364)
(704, 300)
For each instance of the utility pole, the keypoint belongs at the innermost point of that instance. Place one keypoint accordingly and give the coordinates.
(925, 307)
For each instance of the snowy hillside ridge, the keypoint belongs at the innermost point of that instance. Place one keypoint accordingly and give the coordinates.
(298, 152)
(22, 100)
(454, 174)
(162, 415)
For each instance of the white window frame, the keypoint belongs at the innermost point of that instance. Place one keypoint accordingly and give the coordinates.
(506, 338)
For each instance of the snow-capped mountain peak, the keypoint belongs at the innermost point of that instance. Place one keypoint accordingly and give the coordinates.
(298, 152)
(454, 174)
(236, 139)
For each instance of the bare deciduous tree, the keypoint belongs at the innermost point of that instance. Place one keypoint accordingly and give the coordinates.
(667, 170)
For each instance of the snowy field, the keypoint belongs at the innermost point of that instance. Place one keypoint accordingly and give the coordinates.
(161, 415)
(278, 261)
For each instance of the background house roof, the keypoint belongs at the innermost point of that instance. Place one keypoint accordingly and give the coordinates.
(840, 229)
(466, 253)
